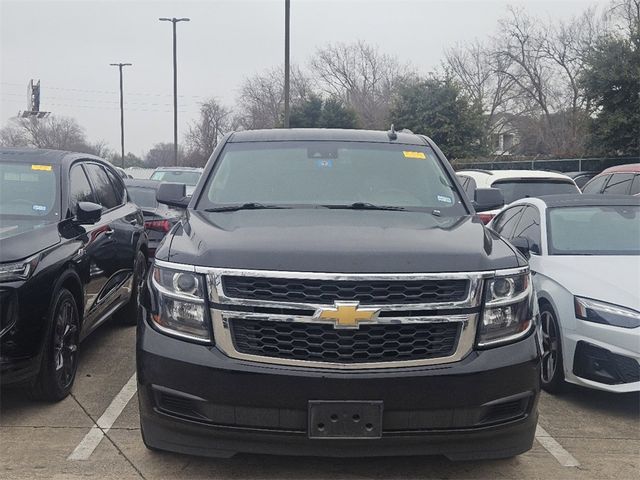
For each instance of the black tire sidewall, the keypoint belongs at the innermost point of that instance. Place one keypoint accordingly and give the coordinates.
(557, 381)
(47, 386)
(128, 314)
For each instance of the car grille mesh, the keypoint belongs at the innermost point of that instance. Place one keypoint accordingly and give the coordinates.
(323, 343)
(367, 292)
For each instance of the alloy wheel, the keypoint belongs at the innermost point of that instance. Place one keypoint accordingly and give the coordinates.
(65, 344)
(550, 346)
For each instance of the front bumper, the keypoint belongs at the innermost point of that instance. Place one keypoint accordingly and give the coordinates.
(616, 349)
(195, 400)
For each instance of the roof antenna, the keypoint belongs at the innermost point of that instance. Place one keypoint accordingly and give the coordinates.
(392, 133)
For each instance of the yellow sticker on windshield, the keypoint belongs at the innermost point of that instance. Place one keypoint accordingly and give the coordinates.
(42, 168)
(419, 155)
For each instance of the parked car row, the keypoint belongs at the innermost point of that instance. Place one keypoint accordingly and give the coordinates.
(322, 292)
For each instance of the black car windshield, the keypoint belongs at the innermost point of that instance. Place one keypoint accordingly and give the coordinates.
(594, 230)
(513, 190)
(143, 197)
(188, 177)
(361, 175)
(29, 191)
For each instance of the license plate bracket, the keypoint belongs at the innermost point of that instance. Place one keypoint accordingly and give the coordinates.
(345, 419)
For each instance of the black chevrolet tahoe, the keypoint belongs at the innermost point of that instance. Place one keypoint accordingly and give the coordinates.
(332, 292)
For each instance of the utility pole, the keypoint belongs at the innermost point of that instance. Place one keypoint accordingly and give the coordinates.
(174, 21)
(120, 65)
(287, 16)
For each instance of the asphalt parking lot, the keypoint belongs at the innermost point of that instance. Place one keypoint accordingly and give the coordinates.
(584, 434)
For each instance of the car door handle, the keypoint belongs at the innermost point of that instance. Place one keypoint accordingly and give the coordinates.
(108, 232)
(133, 221)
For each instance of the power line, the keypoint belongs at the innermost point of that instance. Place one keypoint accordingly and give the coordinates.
(109, 92)
(53, 104)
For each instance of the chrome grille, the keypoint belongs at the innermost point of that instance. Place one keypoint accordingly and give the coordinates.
(323, 343)
(460, 312)
(367, 292)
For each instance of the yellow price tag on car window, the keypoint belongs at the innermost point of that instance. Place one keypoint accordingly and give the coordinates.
(42, 168)
(418, 155)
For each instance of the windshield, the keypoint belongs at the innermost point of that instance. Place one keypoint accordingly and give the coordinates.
(29, 191)
(188, 177)
(321, 173)
(143, 197)
(595, 230)
(513, 190)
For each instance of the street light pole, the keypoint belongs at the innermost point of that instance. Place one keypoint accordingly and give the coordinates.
(174, 21)
(120, 65)
(287, 8)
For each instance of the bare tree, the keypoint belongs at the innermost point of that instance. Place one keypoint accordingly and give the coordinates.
(261, 100)
(58, 133)
(13, 135)
(362, 77)
(162, 155)
(544, 64)
(481, 74)
(203, 136)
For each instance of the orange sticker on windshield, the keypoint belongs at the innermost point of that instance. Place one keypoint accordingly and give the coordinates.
(419, 155)
(42, 168)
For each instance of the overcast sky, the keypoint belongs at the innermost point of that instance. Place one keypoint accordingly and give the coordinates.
(69, 45)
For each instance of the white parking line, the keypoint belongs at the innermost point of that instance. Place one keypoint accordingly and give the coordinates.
(92, 439)
(554, 448)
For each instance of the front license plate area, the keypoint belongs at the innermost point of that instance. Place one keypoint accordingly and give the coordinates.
(345, 419)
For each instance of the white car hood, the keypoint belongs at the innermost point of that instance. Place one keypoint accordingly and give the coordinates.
(613, 278)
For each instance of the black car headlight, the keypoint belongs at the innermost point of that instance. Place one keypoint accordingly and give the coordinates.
(181, 307)
(606, 313)
(508, 310)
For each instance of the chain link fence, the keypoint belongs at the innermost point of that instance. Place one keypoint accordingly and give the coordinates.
(558, 165)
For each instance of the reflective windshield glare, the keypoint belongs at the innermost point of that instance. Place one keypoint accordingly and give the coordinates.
(595, 230)
(28, 190)
(329, 174)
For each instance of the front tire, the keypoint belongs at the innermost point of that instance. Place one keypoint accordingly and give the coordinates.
(128, 314)
(60, 355)
(552, 367)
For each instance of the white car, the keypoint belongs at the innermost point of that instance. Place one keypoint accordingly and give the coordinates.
(187, 175)
(515, 184)
(585, 262)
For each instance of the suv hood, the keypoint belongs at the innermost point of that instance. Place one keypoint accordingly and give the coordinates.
(336, 241)
(609, 278)
(22, 238)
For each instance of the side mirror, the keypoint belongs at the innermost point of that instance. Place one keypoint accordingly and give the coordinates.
(88, 213)
(487, 199)
(523, 245)
(173, 194)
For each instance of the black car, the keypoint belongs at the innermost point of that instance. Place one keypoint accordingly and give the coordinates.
(72, 253)
(581, 178)
(158, 218)
(332, 292)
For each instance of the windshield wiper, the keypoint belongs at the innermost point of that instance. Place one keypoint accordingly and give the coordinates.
(363, 206)
(242, 206)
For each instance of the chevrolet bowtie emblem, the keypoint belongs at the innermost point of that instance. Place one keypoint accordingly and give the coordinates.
(347, 314)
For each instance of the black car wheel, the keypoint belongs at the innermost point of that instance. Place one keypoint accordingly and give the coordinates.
(551, 369)
(128, 314)
(60, 355)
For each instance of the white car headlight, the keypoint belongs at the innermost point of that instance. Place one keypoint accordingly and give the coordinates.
(508, 310)
(181, 306)
(10, 272)
(606, 313)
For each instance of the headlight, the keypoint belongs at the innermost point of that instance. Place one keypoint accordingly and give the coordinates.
(606, 313)
(181, 309)
(508, 310)
(18, 270)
